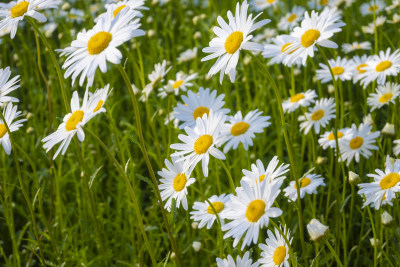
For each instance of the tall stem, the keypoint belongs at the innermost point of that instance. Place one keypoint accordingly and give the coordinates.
(289, 149)
(339, 263)
(148, 164)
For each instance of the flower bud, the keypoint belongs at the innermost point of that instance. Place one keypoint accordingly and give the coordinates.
(354, 178)
(317, 230)
(388, 129)
(196, 246)
(386, 218)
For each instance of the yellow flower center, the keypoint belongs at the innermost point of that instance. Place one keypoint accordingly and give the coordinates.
(384, 197)
(179, 182)
(332, 137)
(309, 37)
(117, 10)
(372, 8)
(296, 98)
(317, 115)
(19, 9)
(389, 180)
(177, 84)
(202, 144)
(239, 128)
(99, 105)
(233, 42)
(200, 111)
(323, 2)
(359, 68)
(255, 210)
(303, 182)
(270, 1)
(337, 70)
(384, 65)
(279, 255)
(218, 206)
(385, 98)
(356, 142)
(3, 130)
(261, 178)
(99, 42)
(75, 118)
(292, 17)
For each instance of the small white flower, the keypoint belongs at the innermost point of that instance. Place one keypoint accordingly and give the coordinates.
(181, 83)
(328, 138)
(308, 184)
(354, 178)
(10, 113)
(196, 246)
(240, 262)
(317, 230)
(276, 250)
(204, 213)
(372, 6)
(7, 86)
(291, 19)
(155, 77)
(187, 55)
(318, 116)
(347, 48)
(385, 94)
(303, 99)
(388, 129)
(386, 218)
(342, 69)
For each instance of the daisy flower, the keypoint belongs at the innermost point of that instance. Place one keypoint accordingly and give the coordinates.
(174, 183)
(385, 94)
(361, 142)
(187, 55)
(396, 148)
(307, 184)
(155, 77)
(371, 6)
(10, 113)
(200, 142)
(276, 50)
(196, 105)
(232, 38)
(92, 49)
(265, 36)
(243, 130)
(328, 138)
(292, 18)
(342, 69)
(359, 67)
(320, 4)
(182, 82)
(98, 98)
(317, 230)
(260, 5)
(276, 251)
(318, 116)
(250, 211)
(118, 6)
(204, 213)
(382, 65)
(384, 187)
(240, 262)
(7, 86)
(348, 48)
(15, 11)
(272, 173)
(314, 30)
(72, 124)
(303, 99)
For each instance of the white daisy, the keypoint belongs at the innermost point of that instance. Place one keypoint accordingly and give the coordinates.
(243, 130)
(265, 36)
(174, 183)
(342, 69)
(72, 124)
(155, 77)
(314, 29)
(181, 83)
(10, 113)
(292, 18)
(187, 55)
(348, 48)
(231, 39)
(359, 67)
(240, 262)
(328, 138)
(98, 98)
(308, 184)
(118, 6)
(317, 230)
(204, 213)
(200, 142)
(386, 64)
(368, 8)
(196, 105)
(272, 174)
(384, 187)
(303, 99)
(320, 4)
(361, 143)
(7, 86)
(396, 148)
(260, 5)
(93, 48)
(15, 11)
(385, 94)
(319, 115)
(276, 251)
(276, 50)
(250, 211)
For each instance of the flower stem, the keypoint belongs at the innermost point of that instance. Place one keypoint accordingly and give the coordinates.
(231, 183)
(339, 263)
(148, 164)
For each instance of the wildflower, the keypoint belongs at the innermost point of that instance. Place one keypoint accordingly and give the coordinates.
(240, 262)
(187, 55)
(7, 86)
(372, 6)
(328, 138)
(359, 67)
(241, 129)
(181, 83)
(385, 94)
(276, 251)
(10, 113)
(277, 50)
(174, 182)
(308, 184)
(317, 230)
(303, 99)
(155, 77)
(386, 218)
(388, 129)
(354, 178)
(232, 38)
(196, 246)
(260, 5)
(318, 116)
(347, 48)
(341, 69)
(205, 214)
(125, 4)
(292, 18)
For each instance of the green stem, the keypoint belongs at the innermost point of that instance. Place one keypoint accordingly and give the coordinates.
(231, 183)
(374, 233)
(339, 263)
(148, 164)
